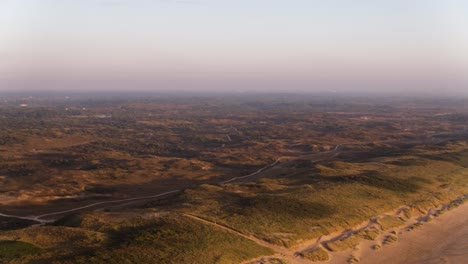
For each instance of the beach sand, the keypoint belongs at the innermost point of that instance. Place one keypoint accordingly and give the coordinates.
(442, 240)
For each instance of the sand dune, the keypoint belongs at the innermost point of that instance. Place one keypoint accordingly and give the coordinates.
(443, 240)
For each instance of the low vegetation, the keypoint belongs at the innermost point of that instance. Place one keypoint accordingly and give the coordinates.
(10, 250)
(317, 254)
(388, 222)
(369, 234)
(168, 239)
(58, 155)
(390, 239)
(344, 244)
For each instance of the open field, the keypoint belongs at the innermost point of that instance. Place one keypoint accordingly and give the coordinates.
(278, 179)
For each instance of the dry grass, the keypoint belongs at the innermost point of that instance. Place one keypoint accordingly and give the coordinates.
(318, 254)
(153, 146)
(344, 244)
(388, 222)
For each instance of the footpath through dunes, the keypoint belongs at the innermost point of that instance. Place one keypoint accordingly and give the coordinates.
(442, 240)
(284, 252)
(44, 218)
(297, 219)
(280, 162)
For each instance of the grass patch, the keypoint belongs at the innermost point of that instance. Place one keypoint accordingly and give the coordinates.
(49, 237)
(276, 261)
(318, 254)
(177, 239)
(16, 249)
(390, 239)
(336, 196)
(369, 234)
(388, 222)
(409, 162)
(406, 213)
(345, 244)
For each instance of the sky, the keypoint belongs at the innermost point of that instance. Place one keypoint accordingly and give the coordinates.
(239, 45)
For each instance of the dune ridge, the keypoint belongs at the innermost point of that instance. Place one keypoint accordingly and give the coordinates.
(438, 236)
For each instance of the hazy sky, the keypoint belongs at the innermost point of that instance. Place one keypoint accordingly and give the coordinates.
(293, 45)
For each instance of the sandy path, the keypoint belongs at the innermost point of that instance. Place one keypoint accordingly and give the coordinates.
(253, 174)
(316, 157)
(443, 240)
(282, 252)
(39, 218)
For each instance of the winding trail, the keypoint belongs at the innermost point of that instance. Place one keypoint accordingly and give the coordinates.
(44, 221)
(39, 218)
(279, 249)
(31, 218)
(253, 174)
(291, 255)
(107, 202)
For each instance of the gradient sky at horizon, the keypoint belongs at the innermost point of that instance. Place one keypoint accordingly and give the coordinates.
(261, 45)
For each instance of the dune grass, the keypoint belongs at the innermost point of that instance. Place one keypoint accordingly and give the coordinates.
(344, 244)
(10, 250)
(389, 221)
(315, 255)
(283, 209)
(390, 239)
(168, 239)
(173, 239)
(369, 234)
